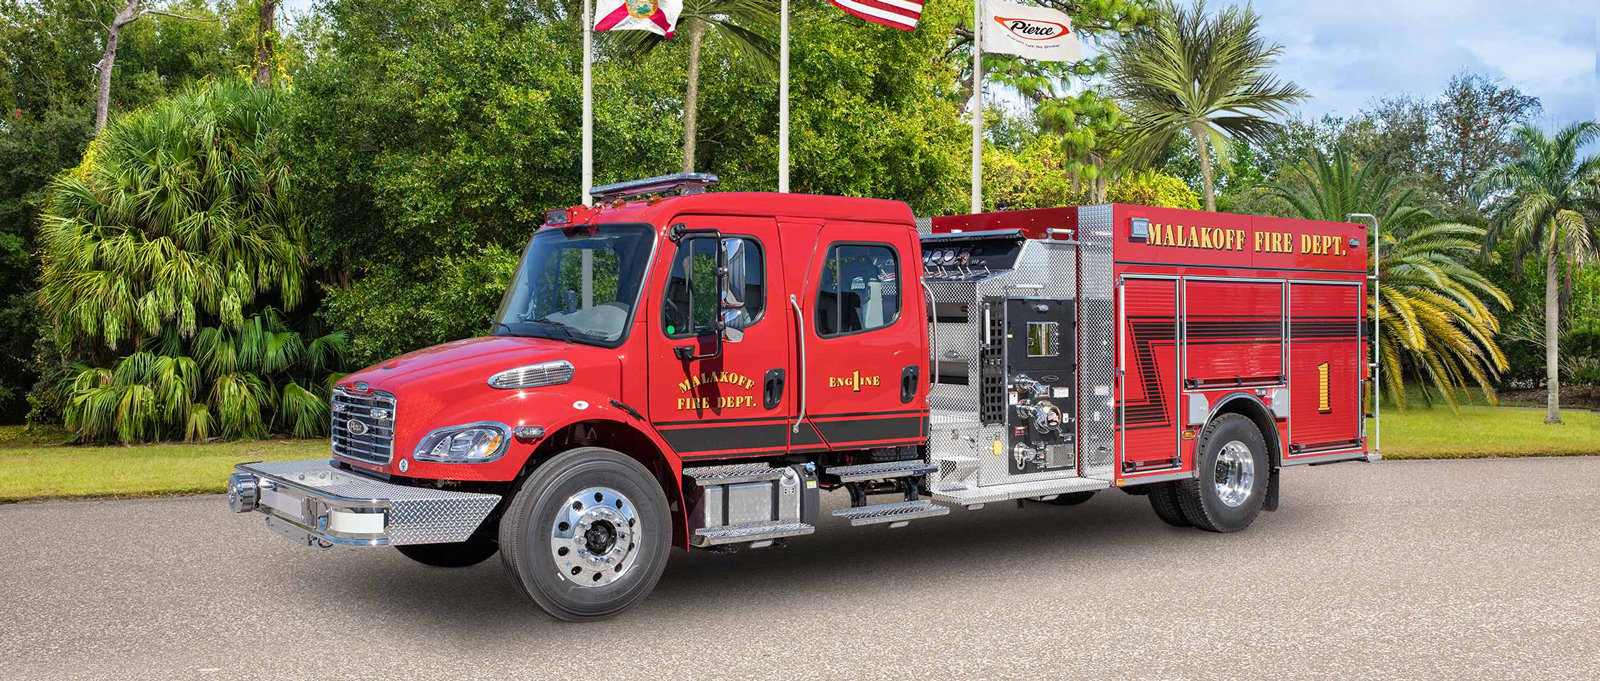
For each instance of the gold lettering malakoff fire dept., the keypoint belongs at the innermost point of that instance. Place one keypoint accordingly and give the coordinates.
(1229, 239)
(732, 378)
(854, 381)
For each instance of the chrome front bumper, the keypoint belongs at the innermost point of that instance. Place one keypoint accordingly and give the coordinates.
(313, 503)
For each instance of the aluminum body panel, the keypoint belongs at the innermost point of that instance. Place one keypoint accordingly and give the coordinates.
(1044, 269)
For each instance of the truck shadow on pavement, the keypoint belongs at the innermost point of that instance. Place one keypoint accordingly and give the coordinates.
(925, 559)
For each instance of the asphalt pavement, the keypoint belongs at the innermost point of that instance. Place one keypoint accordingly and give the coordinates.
(1441, 569)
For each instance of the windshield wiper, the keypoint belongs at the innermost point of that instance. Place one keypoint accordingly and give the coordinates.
(566, 332)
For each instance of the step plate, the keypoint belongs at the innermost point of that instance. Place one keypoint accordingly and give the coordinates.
(732, 473)
(890, 513)
(881, 471)
(1018, 490)
(733, 534)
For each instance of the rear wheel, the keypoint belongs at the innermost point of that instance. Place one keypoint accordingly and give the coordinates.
(1164, 499)
(478, 548)
(1232, 473)
(587, 535)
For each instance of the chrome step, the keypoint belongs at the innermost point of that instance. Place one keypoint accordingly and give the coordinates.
(733, 473)
(898, 513)
(749, 532)
(977, 496)
(881, 471)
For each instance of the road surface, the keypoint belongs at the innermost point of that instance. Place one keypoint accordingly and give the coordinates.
(1448, 569)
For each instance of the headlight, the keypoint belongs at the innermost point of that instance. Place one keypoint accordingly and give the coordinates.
(471, 443)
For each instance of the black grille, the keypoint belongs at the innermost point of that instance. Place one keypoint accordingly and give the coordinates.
(992, 369)
(363, 426)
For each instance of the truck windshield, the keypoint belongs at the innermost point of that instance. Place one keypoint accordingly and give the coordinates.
(577, 284)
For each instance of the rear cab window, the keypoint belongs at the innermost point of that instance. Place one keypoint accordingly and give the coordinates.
(859, 290)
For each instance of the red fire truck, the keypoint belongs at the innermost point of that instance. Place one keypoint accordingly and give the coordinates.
(679, 368)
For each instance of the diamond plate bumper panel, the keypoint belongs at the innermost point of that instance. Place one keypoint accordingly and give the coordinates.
(313, 502)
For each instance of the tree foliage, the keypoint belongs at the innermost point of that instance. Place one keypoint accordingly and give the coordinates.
(1440, 316)
(1153, 188)
(1541, 204)
(168, 254)
(1205, 74)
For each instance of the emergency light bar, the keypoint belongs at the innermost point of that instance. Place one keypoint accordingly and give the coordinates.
(682, 183)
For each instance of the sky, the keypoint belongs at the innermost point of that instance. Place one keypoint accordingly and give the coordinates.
(1349, 53)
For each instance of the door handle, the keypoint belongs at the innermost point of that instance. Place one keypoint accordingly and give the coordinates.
(772, 389)
(908, 383)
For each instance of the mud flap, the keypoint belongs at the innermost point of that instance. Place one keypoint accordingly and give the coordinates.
(1272, 492)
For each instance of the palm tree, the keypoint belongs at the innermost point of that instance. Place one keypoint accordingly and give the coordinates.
(1204, 74)
(167, 255)
(1538, 203)
(737, 21)
(1438, 324)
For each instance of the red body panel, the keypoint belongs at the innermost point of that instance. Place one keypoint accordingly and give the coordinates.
(1247, 285)
(1210, 305)
(722, 418)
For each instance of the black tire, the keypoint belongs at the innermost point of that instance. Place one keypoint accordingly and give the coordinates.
(476, 549)
(1164, 499)
(1199, 498)
(527, 534)
(1071, 498)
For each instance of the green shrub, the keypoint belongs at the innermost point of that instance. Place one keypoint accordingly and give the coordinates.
(167, 257)
(1153, 188)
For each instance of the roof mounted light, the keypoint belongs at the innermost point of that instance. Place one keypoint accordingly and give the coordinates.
(682, 183)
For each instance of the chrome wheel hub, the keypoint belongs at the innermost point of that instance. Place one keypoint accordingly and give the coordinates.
(1235, 474)
(593, 537)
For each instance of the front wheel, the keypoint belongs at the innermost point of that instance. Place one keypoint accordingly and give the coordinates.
(1230, 486)
(587, 535)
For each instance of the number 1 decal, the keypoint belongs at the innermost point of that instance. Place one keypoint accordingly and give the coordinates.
(1324, 401)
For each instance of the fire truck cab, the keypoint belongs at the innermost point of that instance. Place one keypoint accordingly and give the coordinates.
(679, 368)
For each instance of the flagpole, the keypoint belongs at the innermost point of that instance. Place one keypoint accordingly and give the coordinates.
(977, 106)
(588, 102)
(783, 97)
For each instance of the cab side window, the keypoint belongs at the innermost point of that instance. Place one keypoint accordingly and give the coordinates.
(859, 291)
(690, 304)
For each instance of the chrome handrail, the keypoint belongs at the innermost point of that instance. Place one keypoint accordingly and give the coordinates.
(933, 336)
(800, 370)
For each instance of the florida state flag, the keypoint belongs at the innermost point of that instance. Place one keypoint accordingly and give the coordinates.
(656, 16)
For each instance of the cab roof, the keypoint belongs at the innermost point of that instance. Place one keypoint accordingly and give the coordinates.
(660, 211)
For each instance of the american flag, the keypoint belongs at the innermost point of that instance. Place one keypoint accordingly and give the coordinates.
(901, 14)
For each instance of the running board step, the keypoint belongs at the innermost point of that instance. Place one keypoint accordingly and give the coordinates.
(898, 514)
(976, 496)
(749, 532)
(732, 473)
(881, 471)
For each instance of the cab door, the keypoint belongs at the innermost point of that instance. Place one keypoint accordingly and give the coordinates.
(733, 398)
(863, 362)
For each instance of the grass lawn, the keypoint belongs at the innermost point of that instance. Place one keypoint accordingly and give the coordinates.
(1477, 432)
(36, 466)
